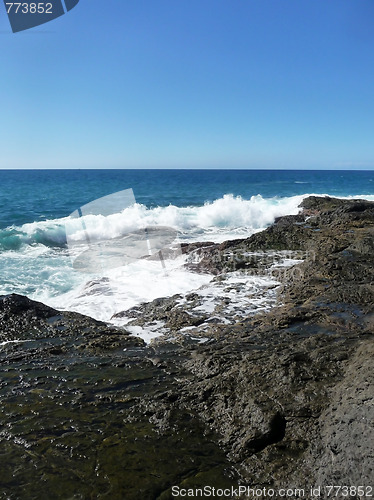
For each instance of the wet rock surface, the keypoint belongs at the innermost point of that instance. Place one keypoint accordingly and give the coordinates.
(279, 399)
(73, 423)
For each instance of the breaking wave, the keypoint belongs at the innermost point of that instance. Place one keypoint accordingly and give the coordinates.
(35, 260)
(225, 218)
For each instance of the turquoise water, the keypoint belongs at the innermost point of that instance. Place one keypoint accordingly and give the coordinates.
(33, 195)
(210, 205)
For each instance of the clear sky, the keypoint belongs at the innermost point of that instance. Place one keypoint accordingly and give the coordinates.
(191, 83)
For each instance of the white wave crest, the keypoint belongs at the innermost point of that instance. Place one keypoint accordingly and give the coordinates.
(225, 218)
(229, 216)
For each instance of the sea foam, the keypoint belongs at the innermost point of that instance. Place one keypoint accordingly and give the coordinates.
(220, 219)
(35, 261)
(225, 218)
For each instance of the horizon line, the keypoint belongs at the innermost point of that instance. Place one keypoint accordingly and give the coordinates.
(192, 168)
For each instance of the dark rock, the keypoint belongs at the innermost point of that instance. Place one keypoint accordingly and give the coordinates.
(87, 411)
(25, 319)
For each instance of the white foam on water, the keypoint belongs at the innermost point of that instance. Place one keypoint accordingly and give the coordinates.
(227, 217)
(286, 263)
(241, 295)
(126, 287)
(34, 260)
(200, 340)
(149, 332)
(2, 344)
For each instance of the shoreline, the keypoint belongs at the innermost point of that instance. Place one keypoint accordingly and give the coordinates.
(278, 394)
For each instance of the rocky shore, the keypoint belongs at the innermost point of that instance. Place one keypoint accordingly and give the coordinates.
(278, 398)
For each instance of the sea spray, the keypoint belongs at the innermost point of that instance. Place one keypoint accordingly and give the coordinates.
(34, 258)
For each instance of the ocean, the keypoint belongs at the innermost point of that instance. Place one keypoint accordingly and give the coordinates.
(198, 205)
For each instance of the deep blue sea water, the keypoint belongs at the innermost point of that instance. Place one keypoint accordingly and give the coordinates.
(32, 195)
(205, 205)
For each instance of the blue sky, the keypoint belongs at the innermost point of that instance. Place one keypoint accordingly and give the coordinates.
(191, 84)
